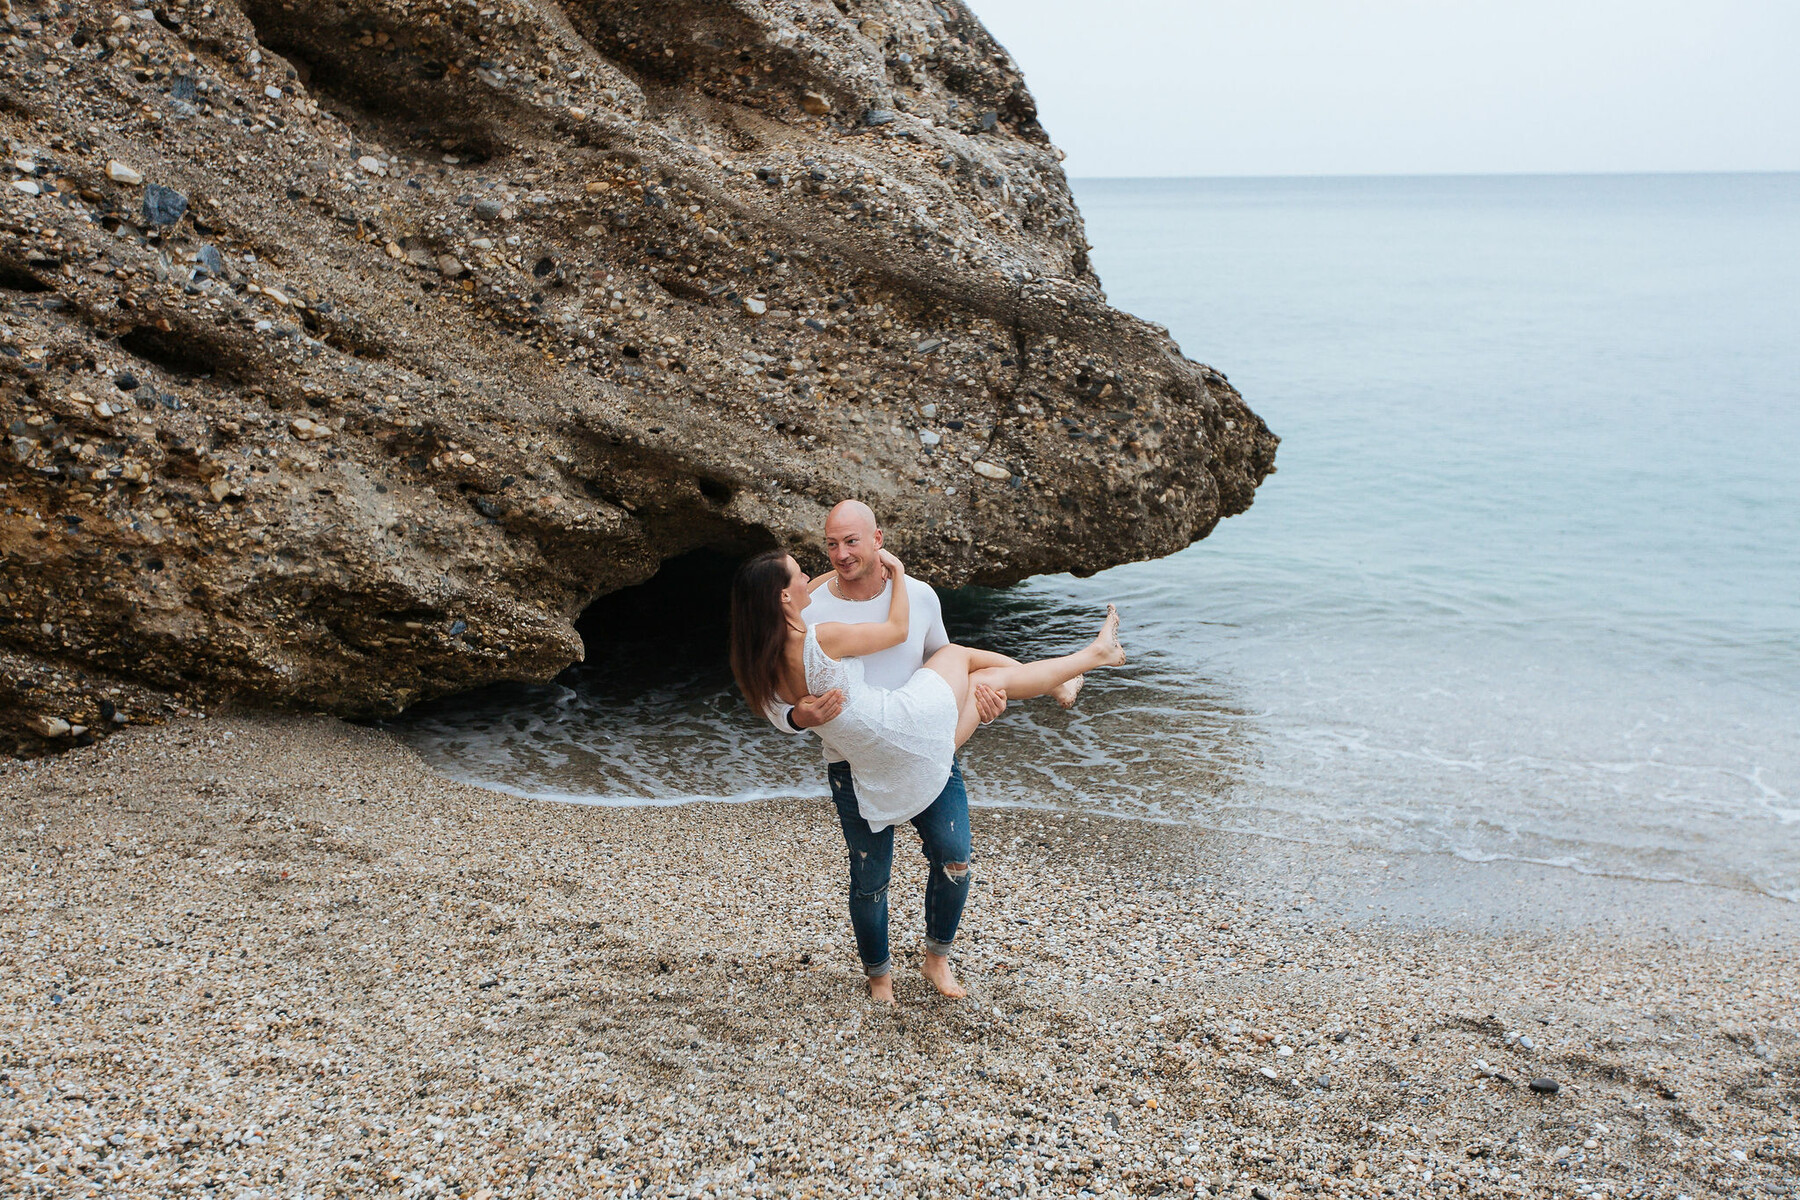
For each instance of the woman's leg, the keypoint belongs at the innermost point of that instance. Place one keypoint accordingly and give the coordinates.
(962, 667)
(1021, 681)
(957, 664)
(1063, 693)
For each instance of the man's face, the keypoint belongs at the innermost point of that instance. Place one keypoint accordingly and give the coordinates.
(851, 545)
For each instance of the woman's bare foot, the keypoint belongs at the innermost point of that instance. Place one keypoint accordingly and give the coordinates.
(937, 969)
(881, 988)
(1112, 654)
(1065, 693)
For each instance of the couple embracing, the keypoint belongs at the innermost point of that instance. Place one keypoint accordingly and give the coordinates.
(859, 655)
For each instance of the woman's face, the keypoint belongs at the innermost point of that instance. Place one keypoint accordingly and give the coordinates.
(798, 595)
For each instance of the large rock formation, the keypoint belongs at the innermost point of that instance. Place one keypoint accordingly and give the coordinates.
(349, 348)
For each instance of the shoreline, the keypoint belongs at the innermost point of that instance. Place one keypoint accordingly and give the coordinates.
(1416, 885)
(279, 955)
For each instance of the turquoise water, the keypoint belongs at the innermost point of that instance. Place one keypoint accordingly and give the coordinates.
(1526, 584)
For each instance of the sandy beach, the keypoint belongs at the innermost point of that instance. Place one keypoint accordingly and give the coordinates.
(280, 957)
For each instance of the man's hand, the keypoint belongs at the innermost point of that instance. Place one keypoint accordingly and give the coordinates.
(813, 711)
(990, 702)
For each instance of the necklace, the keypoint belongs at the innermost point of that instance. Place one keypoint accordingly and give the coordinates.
(834, 584)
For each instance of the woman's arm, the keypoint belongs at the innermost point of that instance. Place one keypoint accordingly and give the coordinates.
(841, 639)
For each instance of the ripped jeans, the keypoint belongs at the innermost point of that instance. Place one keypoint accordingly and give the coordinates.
(944, 834)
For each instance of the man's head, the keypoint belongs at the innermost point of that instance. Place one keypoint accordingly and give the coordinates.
(852, 539)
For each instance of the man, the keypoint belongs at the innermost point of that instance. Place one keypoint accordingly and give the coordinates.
(859, 593)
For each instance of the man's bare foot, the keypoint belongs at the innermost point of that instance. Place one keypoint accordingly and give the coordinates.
(937, 969)
(1065, 693)
(1107, 643)
(881, 988)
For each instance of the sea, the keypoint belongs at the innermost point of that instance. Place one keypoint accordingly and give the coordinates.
(1525, 586)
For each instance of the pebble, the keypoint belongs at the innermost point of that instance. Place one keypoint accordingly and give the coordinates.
(26, 186)
(371, 164)
(1546, 1085)
(991, 471)
(815, 103)
(489, 209)
(162, 205)
(929, 438)
(50, 727)
(755, 307)
(450, 265)
(118, 172)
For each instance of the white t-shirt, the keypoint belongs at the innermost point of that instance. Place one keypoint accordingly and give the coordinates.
(889, 668)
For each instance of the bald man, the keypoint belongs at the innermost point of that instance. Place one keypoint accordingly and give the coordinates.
(859, 592)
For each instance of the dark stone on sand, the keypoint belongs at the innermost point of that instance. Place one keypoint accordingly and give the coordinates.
(162, 205)
(1544, 1085)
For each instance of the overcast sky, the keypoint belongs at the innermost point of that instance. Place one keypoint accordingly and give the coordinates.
(1329, 87)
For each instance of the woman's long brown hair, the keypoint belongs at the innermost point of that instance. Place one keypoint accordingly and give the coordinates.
(759, 628)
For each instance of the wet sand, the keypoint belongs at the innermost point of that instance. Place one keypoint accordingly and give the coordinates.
(281, 957)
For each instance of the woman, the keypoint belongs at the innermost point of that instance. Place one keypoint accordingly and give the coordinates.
(899, 742)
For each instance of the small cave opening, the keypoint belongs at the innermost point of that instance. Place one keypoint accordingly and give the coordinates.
(672, 627)
(652, 715)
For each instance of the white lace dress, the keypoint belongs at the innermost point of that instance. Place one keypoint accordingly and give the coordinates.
(900, 743)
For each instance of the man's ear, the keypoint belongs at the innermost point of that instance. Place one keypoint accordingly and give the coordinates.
(878, 537)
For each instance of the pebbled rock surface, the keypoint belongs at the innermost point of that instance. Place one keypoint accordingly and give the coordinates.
(349, 349)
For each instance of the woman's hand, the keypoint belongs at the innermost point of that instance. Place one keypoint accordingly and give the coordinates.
(895, 567)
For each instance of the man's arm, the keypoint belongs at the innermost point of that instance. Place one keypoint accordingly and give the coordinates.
(936, 638)
(810, 713)
(778, 714)
(989, 703)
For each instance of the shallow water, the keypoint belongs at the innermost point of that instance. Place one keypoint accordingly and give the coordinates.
(1526, 585)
